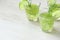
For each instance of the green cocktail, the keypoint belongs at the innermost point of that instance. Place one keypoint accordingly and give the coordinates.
(46, 22)
(32, 12)
(54, 8)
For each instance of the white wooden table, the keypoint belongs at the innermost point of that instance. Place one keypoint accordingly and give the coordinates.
(15, 26)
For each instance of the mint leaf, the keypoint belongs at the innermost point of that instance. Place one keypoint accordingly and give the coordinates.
(54, 10)
(52, 6)
(51, 2)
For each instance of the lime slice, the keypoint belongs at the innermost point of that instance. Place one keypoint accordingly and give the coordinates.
(56, 13)
(23, 4)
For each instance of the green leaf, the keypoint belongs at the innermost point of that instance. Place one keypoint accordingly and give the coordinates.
(54, 10)
(51, 2)
(23, 4)
(52, 6)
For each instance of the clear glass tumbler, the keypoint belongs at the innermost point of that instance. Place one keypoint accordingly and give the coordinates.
(32, 12)
(46, 21)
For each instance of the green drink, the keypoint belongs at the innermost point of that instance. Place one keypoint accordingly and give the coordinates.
(46, 22)
(54, 8)
(32, 12)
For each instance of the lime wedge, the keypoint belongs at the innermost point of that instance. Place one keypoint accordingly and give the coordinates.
(56, 13)
(23, 4)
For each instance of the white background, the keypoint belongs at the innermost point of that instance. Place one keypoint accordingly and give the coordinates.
(15, 26)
